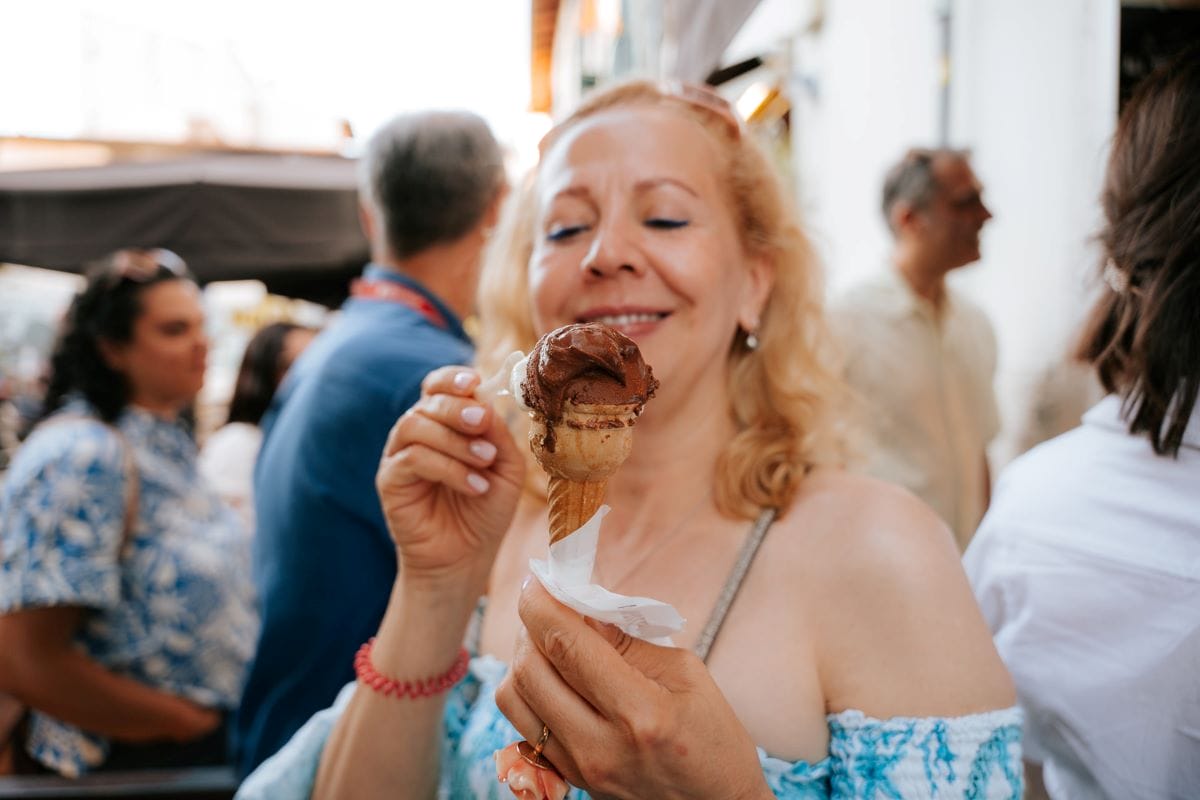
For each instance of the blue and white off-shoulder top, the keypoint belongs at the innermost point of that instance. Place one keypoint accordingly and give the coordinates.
(903, 758)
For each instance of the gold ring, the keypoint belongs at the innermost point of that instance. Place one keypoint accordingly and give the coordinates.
(532, 753)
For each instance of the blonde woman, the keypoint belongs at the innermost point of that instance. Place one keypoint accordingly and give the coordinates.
(852, 659)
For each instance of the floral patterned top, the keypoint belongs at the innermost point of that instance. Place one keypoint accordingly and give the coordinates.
(976, 757)
(173, 609)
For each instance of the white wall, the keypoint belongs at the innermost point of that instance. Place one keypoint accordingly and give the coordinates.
(874, 69)
(1033, 94)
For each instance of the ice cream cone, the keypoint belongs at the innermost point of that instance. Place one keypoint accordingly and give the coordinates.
(584, 385)
(572, 503)
(580, 453)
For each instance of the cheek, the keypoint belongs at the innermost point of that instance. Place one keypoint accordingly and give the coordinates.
(173, 360)
(549, 286)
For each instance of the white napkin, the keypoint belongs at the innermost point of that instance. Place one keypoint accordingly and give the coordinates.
(567, 576)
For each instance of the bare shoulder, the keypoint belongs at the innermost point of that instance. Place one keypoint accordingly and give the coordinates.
(899, 632)
(864, 523)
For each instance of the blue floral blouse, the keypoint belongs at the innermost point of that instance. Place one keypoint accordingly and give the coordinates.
(976, 757)
(174, 609)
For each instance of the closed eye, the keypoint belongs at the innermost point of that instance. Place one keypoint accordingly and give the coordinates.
(559, 233)
(663, 223)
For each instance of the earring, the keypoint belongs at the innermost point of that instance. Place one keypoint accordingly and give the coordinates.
(751, 341)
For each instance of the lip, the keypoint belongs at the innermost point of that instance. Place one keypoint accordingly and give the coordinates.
(645, 319)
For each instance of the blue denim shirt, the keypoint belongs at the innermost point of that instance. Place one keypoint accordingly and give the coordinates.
(324, 562)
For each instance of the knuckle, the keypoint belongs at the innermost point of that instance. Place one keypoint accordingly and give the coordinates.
(506, 696)
(404, 424)
(405, 457)
(648, 729)
(437, 377)
(558, 644)
(441, 406)
(622, 641)
(599, 777)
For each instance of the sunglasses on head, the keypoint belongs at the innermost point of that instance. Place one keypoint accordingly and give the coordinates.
(707, 100)
(694, 95)
(141, 266)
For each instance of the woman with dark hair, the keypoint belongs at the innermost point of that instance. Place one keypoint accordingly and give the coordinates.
(1088, 564)
(227, 460)
(126, 608)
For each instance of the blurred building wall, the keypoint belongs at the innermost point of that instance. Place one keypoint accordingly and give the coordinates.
(1033, 94)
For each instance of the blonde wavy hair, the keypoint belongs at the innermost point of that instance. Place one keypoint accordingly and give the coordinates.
(784, 395)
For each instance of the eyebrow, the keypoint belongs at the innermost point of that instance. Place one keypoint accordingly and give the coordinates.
(654, 183)
(583, 192)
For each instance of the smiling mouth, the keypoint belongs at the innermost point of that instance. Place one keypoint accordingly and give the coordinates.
(618, 320)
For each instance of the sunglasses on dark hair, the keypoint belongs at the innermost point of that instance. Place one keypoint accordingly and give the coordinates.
(140, 266)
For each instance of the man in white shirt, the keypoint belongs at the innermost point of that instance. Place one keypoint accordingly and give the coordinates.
(920, 355)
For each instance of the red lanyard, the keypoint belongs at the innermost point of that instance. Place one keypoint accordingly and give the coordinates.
(398, 293)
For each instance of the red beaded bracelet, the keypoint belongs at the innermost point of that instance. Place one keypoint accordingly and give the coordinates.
(429, 687)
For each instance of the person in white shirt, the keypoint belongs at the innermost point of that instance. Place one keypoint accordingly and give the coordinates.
(227, 460)
(920, 355)
(1087, 566)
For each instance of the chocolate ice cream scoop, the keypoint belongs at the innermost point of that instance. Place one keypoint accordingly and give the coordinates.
(586, 384)
(585, 364)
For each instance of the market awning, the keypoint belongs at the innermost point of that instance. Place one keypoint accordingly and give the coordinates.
(291, 221)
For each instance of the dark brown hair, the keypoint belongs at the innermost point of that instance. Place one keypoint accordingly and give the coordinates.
(1143, 336)
(106, 310)
(261, 371)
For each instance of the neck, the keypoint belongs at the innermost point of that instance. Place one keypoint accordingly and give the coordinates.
(928, 280)
(162, 409)
(450, 271)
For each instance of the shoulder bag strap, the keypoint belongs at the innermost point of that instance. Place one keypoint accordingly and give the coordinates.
(133, 485)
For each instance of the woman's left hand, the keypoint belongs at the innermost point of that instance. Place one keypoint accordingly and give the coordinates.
(627, 718)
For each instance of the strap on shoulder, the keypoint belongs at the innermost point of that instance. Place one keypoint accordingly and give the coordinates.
(733, 583)
(133, 487)
(132, 480)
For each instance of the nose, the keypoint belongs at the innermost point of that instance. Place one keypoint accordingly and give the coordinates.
(612, 250)
(983, 212)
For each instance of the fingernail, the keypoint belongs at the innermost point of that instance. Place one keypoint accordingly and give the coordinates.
(462, 380)
(478, 482)
(482, 449)
(473, 415)
(525, 582)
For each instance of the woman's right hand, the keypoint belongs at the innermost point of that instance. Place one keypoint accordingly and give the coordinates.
(449, 480)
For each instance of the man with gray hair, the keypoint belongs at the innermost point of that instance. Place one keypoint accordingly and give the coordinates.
(430, 189)
(921, 356)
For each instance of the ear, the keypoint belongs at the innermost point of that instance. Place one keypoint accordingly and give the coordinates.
(760, 279)
(113, 355)
(366, 219)
(905, 218)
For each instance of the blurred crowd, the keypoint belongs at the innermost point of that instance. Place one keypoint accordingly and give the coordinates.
(330, 591)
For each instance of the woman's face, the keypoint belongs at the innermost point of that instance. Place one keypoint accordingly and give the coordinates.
(635, 230)
(165, 358)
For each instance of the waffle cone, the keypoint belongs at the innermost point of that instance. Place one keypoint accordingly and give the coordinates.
(589, 444)
(572, 503)
(580, 454)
